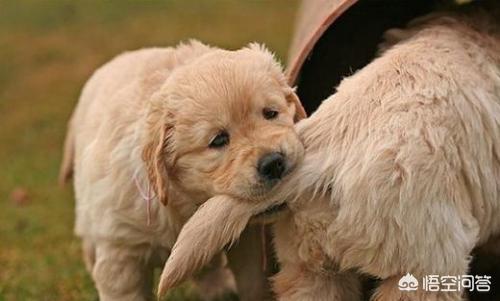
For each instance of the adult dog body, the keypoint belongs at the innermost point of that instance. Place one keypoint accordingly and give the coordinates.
(402, 167)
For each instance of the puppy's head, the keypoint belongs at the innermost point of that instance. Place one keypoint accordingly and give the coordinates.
(223, 124)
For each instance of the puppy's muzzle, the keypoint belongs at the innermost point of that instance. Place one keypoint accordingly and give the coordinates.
(272, 167)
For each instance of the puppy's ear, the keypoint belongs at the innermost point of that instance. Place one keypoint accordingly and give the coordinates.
(155, 152)
(275, 68)
(293, 99)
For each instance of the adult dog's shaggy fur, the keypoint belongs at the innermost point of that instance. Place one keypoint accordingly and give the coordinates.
(402, 167)
(180, 125)
(401, 172)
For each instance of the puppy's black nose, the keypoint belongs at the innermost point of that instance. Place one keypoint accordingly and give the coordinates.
(272, 166)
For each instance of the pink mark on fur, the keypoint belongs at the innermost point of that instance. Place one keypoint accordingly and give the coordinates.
(147, 197)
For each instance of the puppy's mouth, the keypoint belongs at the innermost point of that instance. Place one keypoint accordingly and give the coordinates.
(274, 209)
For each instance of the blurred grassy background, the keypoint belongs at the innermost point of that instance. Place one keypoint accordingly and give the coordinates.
(47, 51)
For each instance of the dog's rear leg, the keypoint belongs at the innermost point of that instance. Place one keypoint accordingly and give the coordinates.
(295, 283)
(122, 273)
(449, 257)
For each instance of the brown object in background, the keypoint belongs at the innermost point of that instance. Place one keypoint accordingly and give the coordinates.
(334, 38)
(19, 196)
(313, 20)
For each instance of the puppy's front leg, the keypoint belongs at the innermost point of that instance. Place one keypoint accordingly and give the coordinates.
(122, 273)
(296, 283)
(246, 262)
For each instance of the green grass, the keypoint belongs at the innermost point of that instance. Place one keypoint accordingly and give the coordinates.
(47, 51)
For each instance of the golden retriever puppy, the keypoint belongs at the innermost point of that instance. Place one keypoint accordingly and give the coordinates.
(401, 172)
(155, 134)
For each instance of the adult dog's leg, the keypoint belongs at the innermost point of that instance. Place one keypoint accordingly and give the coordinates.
(246, 261)
(295, 283)
(122, 273)
(453, 238)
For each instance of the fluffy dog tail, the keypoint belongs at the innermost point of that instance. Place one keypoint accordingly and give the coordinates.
(66, 169)
(217, 223)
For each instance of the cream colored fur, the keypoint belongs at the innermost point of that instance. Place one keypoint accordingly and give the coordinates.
(197, 247)
(401, 171)
(148, 117)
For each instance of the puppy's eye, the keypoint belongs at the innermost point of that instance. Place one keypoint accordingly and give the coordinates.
(269, 113)
(222, 139)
